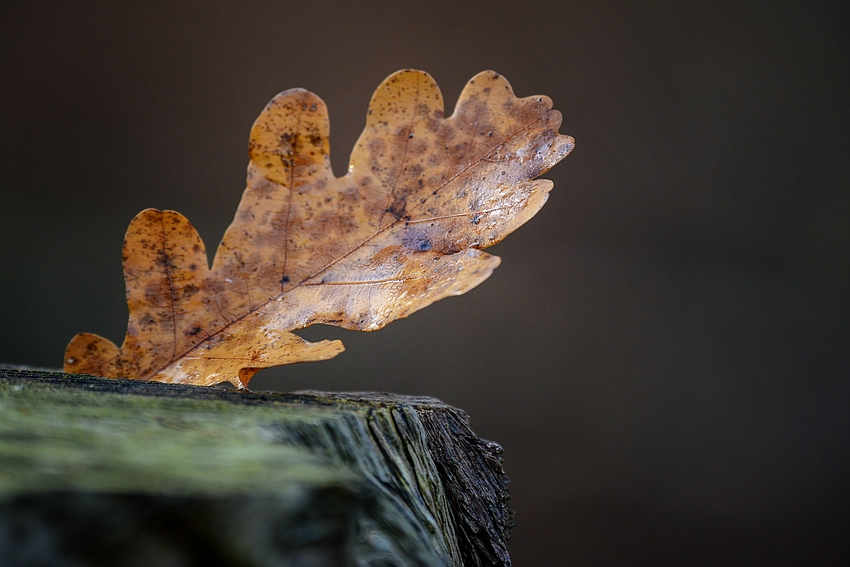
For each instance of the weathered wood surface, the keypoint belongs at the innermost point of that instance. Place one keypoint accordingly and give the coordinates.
(103, 472)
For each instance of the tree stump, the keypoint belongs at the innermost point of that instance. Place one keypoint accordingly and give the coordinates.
(98, 471)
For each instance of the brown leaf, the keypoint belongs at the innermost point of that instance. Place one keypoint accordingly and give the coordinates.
(402, 229)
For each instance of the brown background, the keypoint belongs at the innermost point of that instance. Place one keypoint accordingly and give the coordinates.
(665, 351)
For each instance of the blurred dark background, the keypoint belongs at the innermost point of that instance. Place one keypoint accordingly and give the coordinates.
(665, 351)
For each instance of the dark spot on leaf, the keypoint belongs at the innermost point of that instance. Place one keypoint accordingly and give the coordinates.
(417, 242)
(190, 290)
(396, 209)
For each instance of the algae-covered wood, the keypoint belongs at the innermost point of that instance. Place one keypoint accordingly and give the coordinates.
(97, 471)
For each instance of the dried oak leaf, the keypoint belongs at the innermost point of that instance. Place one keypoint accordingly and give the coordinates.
(402, 229)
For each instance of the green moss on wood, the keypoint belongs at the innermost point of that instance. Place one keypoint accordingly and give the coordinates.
(419, 487)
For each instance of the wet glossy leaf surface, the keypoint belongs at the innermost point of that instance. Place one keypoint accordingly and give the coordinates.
(402, 229)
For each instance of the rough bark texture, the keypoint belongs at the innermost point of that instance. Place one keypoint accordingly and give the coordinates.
(104, 471)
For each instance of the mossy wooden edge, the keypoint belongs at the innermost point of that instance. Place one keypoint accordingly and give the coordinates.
(418, 451)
